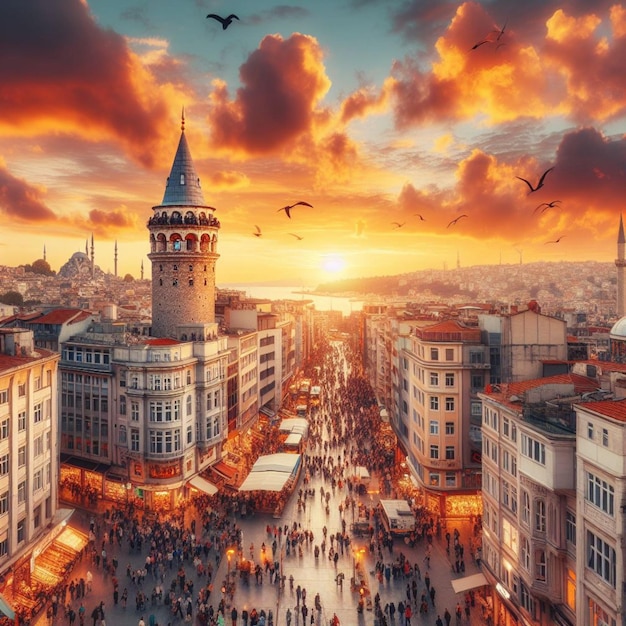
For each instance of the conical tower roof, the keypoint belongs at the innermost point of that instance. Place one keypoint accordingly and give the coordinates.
(620, 233)
(183, 185)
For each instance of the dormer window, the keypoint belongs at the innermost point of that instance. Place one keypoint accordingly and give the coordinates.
(182, 179)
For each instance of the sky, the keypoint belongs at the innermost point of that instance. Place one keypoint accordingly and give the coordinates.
(392, 118)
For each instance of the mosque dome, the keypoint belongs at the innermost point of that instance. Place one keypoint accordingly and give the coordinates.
(618, 331)
(78, 266)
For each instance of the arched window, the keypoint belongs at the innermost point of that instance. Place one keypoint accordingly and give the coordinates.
(160, 282)
(191, 282)
(540, 516)
(190, 268)
(175, 267)
(525, 554)
(160, 268)
(182, 179)
(175, 282)
(540, 565)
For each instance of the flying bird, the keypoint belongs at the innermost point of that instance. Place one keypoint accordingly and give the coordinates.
(258, 232)
(288, 208)
(539, 184)
(420, 216)
(556, 240)
(547, 205)
(453, 222)
(224, 21)
(500, 32)
(296, 236)
(398, 224)
(480, 43)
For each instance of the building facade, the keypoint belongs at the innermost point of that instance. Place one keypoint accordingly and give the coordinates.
(141, 416)
(28, 456)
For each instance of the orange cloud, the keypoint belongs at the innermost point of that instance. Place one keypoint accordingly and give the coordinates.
(61, 72)
(22, 202)
(570, 70)
(283, 82)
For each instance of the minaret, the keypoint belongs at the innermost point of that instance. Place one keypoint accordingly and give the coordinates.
(620, 264)
(141, 269)
(115, 260)
(93, 265)
(44, 251)
(183, 252)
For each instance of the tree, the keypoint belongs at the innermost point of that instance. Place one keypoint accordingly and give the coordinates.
(40, 267)
(128, 278)
(12, 297)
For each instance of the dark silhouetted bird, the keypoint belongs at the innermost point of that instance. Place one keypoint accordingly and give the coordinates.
(453, 222)
(420, 216)
(539, 184)
(224, 21)
(287, 209)
(547, 205)
(556, 240)
(296, 236)
(258, 231)
(398, 224)
(480, 43)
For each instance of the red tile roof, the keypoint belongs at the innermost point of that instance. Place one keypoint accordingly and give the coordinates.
(161, 341)
(582, 384)
(614, 409)
(62, 316)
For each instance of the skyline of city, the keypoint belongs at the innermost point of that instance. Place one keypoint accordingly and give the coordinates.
(294, 104)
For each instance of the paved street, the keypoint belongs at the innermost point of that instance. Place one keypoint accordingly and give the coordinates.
(317, 575)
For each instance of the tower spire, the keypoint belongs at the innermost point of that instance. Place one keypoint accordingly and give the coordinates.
(115, 259)
(182, 120)
(620, 264)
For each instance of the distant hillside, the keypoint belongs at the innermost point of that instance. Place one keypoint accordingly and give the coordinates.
(574, 282)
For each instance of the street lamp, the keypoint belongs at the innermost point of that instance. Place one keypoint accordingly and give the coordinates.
(355, 559)
(229, 554)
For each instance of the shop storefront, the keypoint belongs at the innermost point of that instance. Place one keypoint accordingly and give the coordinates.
(35, 576)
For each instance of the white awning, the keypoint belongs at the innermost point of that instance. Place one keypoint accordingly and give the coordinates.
(202, 484)
(293, 439)
(469, 582)
(6, 609)
(267, 480)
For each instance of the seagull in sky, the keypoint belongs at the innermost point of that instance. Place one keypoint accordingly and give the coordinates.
(548, 205)
(556, 240)
(224, 21)
(453, 222)
(288, 208)
(539, 184)
(420, 216)
(500, 32)
(258, 232)
(480, 43)
(296, 236)
(398, 224)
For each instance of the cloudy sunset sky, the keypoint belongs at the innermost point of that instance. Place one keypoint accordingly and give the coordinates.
(375, 112)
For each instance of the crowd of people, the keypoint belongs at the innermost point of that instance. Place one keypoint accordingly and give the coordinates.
(181, 551)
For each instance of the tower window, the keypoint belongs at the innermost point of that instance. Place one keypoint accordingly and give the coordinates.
(175, 282)
(175, 267)
(191, 282)
(182, 179)
(205, 268)
(160, 268)
(160, 282)
(191, 268)
(205, 282)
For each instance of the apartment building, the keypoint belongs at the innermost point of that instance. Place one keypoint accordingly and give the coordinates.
(28, 455)
(530, 498)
